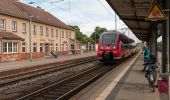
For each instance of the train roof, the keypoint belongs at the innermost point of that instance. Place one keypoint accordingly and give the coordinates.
(124, 37)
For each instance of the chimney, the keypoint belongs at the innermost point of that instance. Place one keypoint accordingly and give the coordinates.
(38, 7)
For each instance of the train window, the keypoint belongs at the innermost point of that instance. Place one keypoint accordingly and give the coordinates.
(109, 39)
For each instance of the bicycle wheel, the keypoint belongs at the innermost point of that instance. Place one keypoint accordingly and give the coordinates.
(152, 86)
(152, 82)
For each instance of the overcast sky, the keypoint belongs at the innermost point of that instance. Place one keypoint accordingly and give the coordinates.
(87, 14)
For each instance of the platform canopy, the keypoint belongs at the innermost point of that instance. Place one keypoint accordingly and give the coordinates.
(133, 13)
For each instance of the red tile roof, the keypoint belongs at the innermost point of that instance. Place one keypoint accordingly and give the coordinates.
(9, 36)
(23, 11)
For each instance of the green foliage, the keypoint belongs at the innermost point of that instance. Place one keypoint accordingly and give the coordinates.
(159, 46)
(80, 36)
(97, 32)
(84, 38)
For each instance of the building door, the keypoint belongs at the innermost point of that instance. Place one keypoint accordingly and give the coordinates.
(46, 49)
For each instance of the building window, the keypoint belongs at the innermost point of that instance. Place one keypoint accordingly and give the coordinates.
(23, 47)
(69, 34)
(2, 23)
(52, 47)
(41, 47)
(10, 47)
(66, 34)
(15, 47)
(56, 33)
(66, 47)
(56, 47)
(34, 47)
(62, 34)
(41, 30)
(24, 27)
(62, 47)
(52, 32)
(72, 47)
(47, 33)
(14, 26)
(5, 46)
(34, 29)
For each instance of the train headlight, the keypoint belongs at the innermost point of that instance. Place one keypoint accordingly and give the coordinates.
(101, 47)
(114, 47)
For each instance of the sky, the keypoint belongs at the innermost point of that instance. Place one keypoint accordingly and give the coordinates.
(87, 14)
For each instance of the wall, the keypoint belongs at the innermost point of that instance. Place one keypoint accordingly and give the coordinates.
(36, 38)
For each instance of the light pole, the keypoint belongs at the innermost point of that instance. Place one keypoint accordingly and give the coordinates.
(30, 37)
(95, 42)
(115, 22)
(60, 42)
(75, 44)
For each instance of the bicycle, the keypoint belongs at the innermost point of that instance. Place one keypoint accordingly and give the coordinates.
(151, 75)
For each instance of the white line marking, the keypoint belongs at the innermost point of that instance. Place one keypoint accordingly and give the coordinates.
(111, 86)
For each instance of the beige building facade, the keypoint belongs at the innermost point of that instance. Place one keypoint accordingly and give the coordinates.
(48, 33)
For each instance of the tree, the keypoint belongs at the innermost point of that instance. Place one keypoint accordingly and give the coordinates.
(80, 36)
(97, 32)
(159, 46)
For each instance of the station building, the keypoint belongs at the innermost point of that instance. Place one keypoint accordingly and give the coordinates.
(48, 32)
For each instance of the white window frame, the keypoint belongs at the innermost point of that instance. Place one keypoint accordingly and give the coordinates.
(52, 47)
(52, 32)
(56, 33)
(3, 24)
(14, 48)
(47, 32)
(41, 30)
(24, 27)
(56, 47)
(7, 47)
(35, 29)
(35, 46)
(24, 46)
(14, 26)
(41, 46)
(62, 34)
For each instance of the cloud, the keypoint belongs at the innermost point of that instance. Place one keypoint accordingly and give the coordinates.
(87, 14)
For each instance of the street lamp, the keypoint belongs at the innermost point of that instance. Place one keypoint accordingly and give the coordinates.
(30, 37)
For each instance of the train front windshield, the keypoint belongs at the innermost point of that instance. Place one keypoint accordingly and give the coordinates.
(109, 39)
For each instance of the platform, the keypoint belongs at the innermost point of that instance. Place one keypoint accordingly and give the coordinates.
(125, 82)
(20, 66)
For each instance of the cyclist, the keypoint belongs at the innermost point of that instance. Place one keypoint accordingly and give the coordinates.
(150, 72)
(146, 56)
(151, 64)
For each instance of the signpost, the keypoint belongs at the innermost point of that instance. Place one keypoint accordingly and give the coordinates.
(155, 13)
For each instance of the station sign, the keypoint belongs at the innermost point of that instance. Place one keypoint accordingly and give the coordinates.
(155, 13)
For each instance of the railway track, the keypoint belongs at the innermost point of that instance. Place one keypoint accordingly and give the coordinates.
(66, 88)
(50, 69)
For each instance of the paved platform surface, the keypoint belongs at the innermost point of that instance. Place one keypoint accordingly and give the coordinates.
(131, 86)
(6, 66)
(134, 86)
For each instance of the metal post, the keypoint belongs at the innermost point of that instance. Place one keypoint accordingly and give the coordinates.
(30, 38)
(115, 22)
(75, 44)
(95, 43)
(60, 42)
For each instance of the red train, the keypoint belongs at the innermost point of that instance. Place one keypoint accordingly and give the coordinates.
(114, 45)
